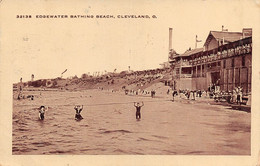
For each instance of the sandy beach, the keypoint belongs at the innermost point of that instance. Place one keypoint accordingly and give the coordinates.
(182, 127)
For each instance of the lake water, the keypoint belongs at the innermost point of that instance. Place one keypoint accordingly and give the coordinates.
(109, 126)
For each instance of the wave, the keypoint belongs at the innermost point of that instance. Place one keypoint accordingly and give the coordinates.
(41, 144)
(116, 131)
(22, 129)
(120, 151)
(158, 136)
(60, 151)
(170, 152)
(195, 152)
(144, 139)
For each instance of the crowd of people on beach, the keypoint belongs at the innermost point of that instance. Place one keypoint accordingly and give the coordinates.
(234, 97)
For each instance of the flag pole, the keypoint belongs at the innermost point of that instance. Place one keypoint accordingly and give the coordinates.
(196, 42)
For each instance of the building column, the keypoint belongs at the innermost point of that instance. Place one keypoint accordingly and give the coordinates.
(249, 76)
(227, 71)
(196, 70)
(233, 79)
(205, 69)
(180, 71)
(180, 66)
(201, 70)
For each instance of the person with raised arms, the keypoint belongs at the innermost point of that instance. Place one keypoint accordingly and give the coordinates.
(138, 109)
(42, 111)
(78, 110)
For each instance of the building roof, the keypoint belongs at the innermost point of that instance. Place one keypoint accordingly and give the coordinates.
(191, 52)
(228, 36)
(218, 35)
(173, 54)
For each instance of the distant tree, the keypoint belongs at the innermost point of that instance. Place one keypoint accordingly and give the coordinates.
(44, 82)
(37, 83)
(32, 77)
(84, 75)
(48, 82)
(30, 83)
(54, 83)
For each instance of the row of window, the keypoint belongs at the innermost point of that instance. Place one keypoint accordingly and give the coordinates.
(233, 62)
(247, 48)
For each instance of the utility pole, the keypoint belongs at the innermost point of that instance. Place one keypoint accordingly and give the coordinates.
(170, 43)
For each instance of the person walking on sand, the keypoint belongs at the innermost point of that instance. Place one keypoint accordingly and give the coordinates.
(239, 95)
(188, 94)
(193, 95)
(174, 92)
(78, 110)
(42, 111)
(234, 96)
(138, 109)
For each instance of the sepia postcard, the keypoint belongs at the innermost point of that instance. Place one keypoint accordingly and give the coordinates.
(129, 82)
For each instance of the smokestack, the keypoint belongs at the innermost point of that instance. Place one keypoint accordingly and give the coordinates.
(170, 39)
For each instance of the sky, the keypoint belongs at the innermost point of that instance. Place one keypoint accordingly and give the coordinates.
(46, 47)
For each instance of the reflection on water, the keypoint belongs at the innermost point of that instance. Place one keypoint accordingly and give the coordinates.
(165, 128)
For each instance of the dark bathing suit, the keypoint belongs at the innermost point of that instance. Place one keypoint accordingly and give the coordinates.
(42, 116)
(138, 114)
(78, 111)
(78, 116)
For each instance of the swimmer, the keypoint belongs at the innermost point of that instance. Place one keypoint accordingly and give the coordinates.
(31, 97)
(42, 112)
(174, 92)
(78, 110)
(138, 109)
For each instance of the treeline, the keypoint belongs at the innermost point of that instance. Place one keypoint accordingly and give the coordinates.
(41, 83)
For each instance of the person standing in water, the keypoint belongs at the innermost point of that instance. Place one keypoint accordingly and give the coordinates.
(42, 112)
(78, 110)
(138, 109)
